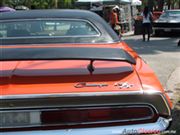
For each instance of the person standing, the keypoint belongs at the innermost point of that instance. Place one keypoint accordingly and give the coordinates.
(114, 21)
(147, 19)
(119, 19)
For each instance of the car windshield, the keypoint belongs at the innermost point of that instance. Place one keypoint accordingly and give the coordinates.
(174, 13)
(171, 14)
(60, 30)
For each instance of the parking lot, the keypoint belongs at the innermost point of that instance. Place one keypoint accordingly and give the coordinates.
(163, 55)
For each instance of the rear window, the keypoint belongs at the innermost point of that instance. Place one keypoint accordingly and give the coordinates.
(52, 30)
(47, 28)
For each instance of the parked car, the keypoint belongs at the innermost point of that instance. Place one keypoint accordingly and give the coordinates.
(6, 9)
(67, 72)
(21, 7)
(169, 21)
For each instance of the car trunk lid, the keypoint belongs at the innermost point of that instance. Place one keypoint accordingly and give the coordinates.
(43, 77)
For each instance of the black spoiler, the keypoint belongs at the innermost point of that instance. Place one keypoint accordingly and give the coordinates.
(65, 53)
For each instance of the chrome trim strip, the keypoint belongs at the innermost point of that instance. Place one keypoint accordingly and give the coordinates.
(56, 95)
(102, 43)
(49, 37)
(160, 125)
(166, 102)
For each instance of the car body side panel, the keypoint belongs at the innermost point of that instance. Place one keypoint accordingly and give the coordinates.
(149, 80)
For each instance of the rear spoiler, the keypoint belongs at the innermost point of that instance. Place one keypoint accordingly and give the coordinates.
(65, 53)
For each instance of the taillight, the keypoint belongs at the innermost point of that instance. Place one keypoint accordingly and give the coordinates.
(96, 115)
(19, 119)
(75, 117)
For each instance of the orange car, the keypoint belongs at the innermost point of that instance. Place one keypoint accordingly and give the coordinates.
(67, 72)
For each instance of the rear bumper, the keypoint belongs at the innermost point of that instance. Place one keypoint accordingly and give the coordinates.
(160, 125)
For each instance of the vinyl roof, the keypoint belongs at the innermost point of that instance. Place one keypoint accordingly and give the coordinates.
(50, 13)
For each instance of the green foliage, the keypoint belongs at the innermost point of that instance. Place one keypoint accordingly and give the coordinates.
(66, 3)
(42, 4)
(14, 3)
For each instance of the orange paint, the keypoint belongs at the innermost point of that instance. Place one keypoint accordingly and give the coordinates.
(47, 77)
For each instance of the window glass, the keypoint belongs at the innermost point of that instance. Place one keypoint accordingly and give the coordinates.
(174, 13)
(164, 15)
(47, 28)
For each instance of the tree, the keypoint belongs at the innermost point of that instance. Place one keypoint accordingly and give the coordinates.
(151, 4)
(66, 3)
(14, 3)
(176, 4)
(56, 3)
(41, 4)
(160, 5)
(2, 3)
(173, 3)
(169, 4)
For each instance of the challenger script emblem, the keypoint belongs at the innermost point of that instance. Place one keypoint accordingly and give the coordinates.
(123, 85)
(84, 84)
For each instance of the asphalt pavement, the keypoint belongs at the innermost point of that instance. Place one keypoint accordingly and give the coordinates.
(162, 54)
